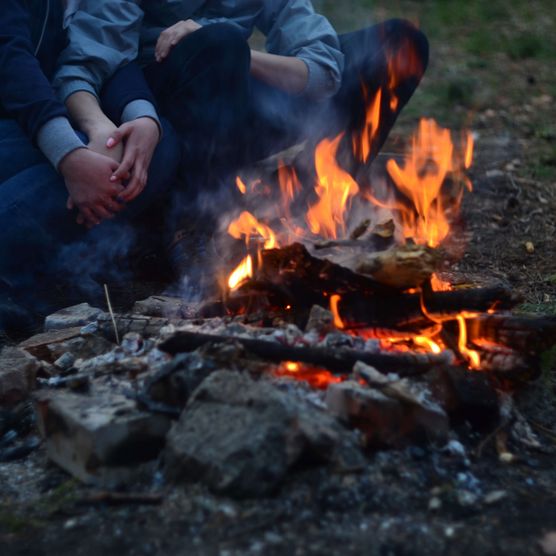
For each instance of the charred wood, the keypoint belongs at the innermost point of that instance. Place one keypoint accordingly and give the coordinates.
(339, 361)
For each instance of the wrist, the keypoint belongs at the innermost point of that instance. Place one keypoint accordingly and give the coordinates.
(73, 157)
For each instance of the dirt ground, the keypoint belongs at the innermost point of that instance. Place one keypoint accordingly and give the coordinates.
(492, 68)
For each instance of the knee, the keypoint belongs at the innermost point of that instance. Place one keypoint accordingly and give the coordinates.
(221, 43)
(409, 43)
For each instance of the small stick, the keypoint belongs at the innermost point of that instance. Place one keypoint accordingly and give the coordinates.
(111, 314)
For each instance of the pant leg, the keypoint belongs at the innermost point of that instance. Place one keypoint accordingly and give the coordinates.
(391, 56)
(202, 88)
(16, 150)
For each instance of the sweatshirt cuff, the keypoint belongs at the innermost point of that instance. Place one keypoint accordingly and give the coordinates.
(56, 139)
(320, 84)
(141, 108)
(66, 89)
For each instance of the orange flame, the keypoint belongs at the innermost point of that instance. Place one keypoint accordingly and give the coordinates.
(242, 272)
(472, 356)
(421, 179)
(468, 161)
(338, 322)
(363, 144)
(289, 184)
(335, 188)
(427, 343)
(240, 184)
(247, 225)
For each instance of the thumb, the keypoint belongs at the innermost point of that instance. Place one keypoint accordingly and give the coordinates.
(117, 136)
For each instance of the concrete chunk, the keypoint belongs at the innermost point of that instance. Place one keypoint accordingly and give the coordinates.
(18, 371)
(101, 439)
(70, 317)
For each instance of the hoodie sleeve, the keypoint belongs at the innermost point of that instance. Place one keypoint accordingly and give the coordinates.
(103, 36)
(293, 28)
(25, 93)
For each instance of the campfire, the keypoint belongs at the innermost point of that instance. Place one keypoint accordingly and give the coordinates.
(340, 326)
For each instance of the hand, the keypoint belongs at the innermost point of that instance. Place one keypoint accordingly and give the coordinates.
(87, 176)
(172, 36)
(141, 137)
(98, 141)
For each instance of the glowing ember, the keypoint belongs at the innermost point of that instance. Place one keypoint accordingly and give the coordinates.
(315, 377)
(241, 185)
(427, 343)
(439, 285)
(243, 272)
(472, 356)
(335, 188)
(338, 322)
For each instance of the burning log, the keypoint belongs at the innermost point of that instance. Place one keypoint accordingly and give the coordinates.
(402, 266)
(339, 361)
(414, 310)
(524, 334)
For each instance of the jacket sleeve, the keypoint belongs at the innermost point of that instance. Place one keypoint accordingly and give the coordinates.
(292, 28)
(126, 96)
(103, 35)
(25, 93)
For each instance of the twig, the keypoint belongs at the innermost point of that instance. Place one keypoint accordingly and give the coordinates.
(111, 314)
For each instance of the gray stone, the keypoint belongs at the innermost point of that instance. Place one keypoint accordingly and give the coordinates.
(18, 371)
(241, 436)
(78, 315)
(101, 439)
(389, 414)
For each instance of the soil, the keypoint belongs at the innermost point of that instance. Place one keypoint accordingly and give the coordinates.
(422, 500)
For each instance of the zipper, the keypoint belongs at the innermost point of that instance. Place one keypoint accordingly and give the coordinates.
(44, 24)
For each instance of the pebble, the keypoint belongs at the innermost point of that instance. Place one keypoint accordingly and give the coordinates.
(435, 504)
(495, 496)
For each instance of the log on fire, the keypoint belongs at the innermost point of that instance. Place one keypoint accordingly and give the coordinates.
(340, 361)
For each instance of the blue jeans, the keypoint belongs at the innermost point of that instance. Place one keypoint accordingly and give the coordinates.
(39, 238)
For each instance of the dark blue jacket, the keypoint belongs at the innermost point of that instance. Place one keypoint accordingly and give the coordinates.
(27, 64)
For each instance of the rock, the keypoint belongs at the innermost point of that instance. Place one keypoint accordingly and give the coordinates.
(178, 379)
(101, 439)
(70, 317)
(241, 437)
(82, 347)
(18, 371)
(40, 345)
(465, 395)
(320, 320)
(390, 413)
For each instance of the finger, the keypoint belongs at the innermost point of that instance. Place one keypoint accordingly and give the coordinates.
(113, 206)
(102, 213)
(117, 136)
(122, 172)
(80, 219)
(164, 46)
(88, 217)
(135, 186)
(70, 205)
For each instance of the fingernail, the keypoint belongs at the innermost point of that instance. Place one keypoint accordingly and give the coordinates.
(111, 142)
(113, 178)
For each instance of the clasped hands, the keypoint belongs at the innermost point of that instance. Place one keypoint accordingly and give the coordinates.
(112, 171)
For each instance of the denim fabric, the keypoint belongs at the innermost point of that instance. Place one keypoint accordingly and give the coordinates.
(38, 235)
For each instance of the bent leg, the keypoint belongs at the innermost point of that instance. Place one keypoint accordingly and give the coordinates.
(16, 150)
(202, 88)
(390, 57)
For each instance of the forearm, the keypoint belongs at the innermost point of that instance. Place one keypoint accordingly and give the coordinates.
(86, 114)
(283, 72)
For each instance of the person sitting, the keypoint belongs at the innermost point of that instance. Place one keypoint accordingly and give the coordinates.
(233, 104)
(46, 167)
